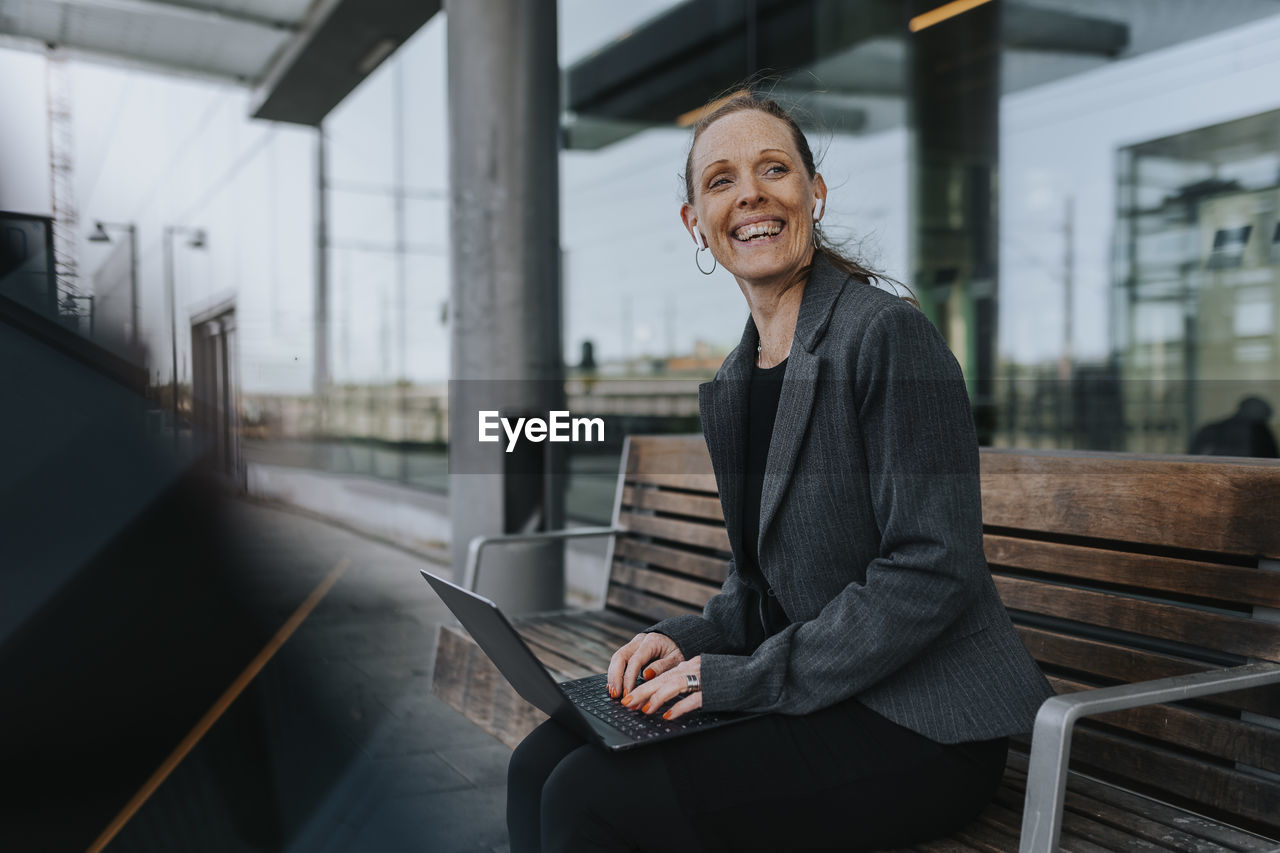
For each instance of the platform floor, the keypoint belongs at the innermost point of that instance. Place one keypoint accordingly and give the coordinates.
(338, 744)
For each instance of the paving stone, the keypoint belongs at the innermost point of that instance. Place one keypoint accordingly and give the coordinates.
(431, 729)
(423, 773)
(447, 822)
(397, 671)
(482, 765)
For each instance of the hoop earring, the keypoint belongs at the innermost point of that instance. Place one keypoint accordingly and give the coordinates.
(697, 259)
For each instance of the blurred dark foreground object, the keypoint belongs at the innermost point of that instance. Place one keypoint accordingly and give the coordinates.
(121, 614)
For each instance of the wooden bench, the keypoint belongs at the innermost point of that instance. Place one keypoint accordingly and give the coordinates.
(1115, 568)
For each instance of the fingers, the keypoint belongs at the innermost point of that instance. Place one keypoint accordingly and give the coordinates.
(692, 702)
(647, 651)
(653, 653)
(652, 695)
(618, 665)
(663, 664)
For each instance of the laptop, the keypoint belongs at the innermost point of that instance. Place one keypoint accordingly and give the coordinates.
(582, 705)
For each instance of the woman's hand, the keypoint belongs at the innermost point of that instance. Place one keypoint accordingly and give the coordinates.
(659, 651)
(658, 691)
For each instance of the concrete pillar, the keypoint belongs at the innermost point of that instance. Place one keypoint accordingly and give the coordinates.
(504, 105)
(955, 122)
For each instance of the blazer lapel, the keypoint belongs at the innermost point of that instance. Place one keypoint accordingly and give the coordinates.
(722, 404)
(799, 387)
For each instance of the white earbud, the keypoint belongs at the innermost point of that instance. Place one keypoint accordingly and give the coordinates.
(817, 210)
(698, 239)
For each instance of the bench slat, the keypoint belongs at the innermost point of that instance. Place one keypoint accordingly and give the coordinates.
(1077, 833)
(1122, 664)
(1140, 826)
(677, 503)
(988, 837)
(621, 633)
(1174, 776)
(552, 656)
(477, 690)
(998, 832)
(691, 592)
(1195, 825)
(449, 678)
(1214, 581)
(947, 846)
(670, 454)
(1154, 500)
(1221, 737)
(625, 624)
(593, 634)
(568, 645)
(652, 607)
(513, 718)
(704, 483)
(685, 532)
(1136, 820)
(713, 569)
(1082, 826)
(591, 650)
(1233, 634)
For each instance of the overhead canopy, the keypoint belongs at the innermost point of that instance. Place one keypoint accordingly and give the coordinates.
(333, 53)
(846, 62)
(301, 56)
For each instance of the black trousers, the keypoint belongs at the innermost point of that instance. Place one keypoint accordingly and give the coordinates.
(843, 778)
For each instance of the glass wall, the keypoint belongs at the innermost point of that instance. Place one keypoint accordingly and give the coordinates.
(1129, 143)
(1128, 195)
(1197, 285)
(1130, 299)
(1138, 285)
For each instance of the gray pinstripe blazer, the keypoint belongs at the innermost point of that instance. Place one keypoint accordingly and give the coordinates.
(870, 533)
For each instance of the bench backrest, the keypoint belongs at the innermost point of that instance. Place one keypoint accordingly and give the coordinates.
(1121, 568)
(1115, 568)
(673, 555)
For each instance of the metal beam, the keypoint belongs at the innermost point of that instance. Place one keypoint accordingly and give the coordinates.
(337, 46)
(195, 13)
(1034, 28)
(676, 62)
(698, 49)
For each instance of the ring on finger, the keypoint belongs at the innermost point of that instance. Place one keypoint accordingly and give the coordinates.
(692, 683)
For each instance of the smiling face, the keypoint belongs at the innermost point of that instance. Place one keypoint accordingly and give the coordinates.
(753, 198)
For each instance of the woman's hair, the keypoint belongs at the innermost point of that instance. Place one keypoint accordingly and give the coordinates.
(746, 99)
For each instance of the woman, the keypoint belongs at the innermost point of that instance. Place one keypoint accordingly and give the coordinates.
(858, 613)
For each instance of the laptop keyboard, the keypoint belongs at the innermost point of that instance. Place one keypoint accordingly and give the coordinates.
(590, 694)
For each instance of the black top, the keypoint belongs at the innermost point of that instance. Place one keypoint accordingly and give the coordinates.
(762, 410)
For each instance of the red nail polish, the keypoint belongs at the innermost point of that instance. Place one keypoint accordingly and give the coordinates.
(645, 708)
(667, 715)
(626, 700)
(648, 673)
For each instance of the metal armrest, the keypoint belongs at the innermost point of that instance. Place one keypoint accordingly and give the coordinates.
(1051, 742)
(481, 542)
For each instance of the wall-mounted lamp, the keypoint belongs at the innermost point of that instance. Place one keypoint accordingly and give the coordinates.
(196, 241)
(100, 235)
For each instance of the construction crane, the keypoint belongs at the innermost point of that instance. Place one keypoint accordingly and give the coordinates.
(66, 219)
